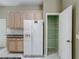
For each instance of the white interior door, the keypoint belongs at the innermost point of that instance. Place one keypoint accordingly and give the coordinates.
(3, 33)
(65, 34)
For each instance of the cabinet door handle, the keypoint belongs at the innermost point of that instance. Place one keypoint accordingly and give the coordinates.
(27, 35)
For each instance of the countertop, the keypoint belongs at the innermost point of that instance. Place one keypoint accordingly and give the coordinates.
(15, 36)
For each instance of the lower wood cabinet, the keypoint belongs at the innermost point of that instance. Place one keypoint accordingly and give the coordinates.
(11, 44)
(15, 45)
(19, 45)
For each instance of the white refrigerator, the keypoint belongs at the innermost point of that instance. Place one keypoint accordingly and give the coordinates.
(33, 37)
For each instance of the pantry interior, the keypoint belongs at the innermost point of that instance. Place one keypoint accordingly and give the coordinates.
(52, 33)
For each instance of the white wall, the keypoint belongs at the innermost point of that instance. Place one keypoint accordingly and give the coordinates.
(3, 33)
(4, 10)
(77, 16)
(77, 28)
(66, 3)
(53, 6)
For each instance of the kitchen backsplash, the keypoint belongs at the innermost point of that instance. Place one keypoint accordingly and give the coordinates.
(14, 31)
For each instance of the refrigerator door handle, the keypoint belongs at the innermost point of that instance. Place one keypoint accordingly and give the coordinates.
(27, 35)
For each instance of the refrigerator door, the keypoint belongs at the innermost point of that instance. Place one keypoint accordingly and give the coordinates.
(37, 38)
(27, 38)
(33, 37)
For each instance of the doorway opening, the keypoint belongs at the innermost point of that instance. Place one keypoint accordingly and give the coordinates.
(52, 32)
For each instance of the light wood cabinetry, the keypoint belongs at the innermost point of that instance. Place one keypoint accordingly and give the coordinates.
(33, 15)
(20, 45)
(28, 15)
(15, 45)
(11, 21)
(16, 18)
(21, 20)
(11, 44)
(38, 15)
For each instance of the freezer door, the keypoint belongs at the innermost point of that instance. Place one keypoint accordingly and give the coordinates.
(27, 38)
(37, 38)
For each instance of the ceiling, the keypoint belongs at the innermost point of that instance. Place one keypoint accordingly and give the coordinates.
(20, 2)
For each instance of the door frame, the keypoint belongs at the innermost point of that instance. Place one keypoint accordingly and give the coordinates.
(46, 31)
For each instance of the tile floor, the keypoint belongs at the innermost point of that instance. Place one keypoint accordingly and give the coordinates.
(4, 53)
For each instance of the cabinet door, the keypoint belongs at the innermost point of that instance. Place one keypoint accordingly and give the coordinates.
(12, 44)
(19, 45)
(28, 15)
(11, 20)
(37, 14)
(17, 20)
(21, 20)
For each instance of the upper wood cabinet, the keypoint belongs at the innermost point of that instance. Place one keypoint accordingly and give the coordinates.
(21, 20)
(33, 15)
(38, 15)
(10, 20)
(16, 18)
(28, 15)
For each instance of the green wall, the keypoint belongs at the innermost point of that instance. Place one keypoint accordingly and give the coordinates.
(52, 31)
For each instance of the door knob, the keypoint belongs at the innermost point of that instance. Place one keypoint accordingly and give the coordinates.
(68, 41)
